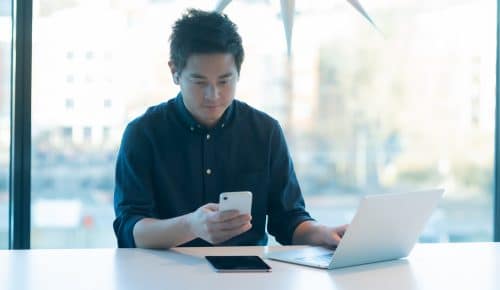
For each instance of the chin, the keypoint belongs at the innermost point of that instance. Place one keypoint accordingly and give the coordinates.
(214, 119)
(214, 114)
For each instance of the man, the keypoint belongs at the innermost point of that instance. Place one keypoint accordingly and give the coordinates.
(177, 158)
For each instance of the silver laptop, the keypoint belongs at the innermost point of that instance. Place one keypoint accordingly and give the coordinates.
(384, 228)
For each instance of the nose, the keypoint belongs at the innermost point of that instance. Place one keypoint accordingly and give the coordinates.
(211, 92)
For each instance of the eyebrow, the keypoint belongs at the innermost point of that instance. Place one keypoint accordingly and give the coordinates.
(198, 76)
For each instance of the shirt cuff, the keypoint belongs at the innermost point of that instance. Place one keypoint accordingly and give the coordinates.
(293, 224)
(124, 229)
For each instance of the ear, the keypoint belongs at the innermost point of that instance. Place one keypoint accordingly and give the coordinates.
(176, 78)
(174, 72)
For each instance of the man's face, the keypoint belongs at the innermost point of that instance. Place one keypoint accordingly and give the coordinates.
(208, 85)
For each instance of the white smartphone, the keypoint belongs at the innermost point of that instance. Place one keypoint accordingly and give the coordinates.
(236, 200)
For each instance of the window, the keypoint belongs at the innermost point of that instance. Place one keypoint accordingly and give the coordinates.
(87, 134)
(407, 110)
(5, 61)
(67, 133)
(106, 132)
(107, 103)
(89, 55)
(70, 103)
(362, 112)
(370, 113)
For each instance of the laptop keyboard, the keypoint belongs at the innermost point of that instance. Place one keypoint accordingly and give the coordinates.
(321, 259)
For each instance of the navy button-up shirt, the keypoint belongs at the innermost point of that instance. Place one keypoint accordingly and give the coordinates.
(169, 165)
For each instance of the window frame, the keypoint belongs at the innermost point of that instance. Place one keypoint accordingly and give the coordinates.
(496, 182)
(20, 142)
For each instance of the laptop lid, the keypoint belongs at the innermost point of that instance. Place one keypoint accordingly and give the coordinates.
(385, 227)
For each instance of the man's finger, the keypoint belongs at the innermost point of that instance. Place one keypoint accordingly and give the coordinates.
(212, 206)
(227, 215)
(226, 235)
(336, 238)
(342, 229)
(233, 223)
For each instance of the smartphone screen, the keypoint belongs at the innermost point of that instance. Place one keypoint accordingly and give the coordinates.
(238, 264)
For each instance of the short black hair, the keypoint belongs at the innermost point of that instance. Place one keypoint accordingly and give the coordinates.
(199, 31)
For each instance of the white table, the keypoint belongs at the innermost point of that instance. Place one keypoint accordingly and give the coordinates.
(430, 266)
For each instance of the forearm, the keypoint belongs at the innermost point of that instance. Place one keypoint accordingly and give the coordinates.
(310, 233)
(167, 233)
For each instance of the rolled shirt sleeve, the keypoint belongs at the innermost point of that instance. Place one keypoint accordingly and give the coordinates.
(286, 205)
(133, 196)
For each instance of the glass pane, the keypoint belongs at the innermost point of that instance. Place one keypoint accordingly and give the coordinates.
(94, 69)
(407, 110)
(363, 112)
(5, 60)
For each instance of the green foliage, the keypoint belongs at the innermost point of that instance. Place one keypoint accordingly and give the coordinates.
(419, 175)
(474, 175)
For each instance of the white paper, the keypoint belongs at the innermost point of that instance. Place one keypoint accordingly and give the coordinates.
(287, 14)
(221, 4)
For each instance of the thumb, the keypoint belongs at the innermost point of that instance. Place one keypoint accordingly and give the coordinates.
(211, 207)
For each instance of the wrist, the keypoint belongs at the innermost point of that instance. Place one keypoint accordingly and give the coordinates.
(189, 225)
(326, 236)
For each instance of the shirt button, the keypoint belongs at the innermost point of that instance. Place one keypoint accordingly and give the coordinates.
(208, 136)
(222, 125)
(209, 171)
(192, 128)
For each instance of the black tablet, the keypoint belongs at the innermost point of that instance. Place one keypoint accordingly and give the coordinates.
(238, 264)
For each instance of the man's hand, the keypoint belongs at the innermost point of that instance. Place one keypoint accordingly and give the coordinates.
(215, 227)
(334, 235)
(315, 234)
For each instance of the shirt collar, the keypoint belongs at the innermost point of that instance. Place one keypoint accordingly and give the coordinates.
(188, 120)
